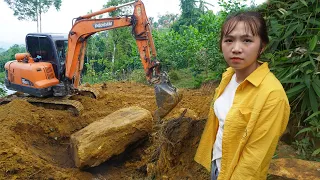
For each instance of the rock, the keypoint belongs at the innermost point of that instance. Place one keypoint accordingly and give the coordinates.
(285, 151)
(86, 85)
(104, 86)
(186, 113)
(295, 169)
(109, 136)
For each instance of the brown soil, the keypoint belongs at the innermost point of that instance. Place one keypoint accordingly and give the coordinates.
(34, 141)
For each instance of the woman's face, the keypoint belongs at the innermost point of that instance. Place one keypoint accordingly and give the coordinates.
(240, 48)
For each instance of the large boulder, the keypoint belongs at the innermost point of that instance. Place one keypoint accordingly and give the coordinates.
(294, 169)
(110, 136)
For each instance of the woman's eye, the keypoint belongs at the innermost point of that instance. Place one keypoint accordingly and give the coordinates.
(247, 40)
(227, 40)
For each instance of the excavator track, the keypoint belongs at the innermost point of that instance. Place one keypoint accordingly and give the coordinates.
(90, 92)
(75, 107)
(60, 103)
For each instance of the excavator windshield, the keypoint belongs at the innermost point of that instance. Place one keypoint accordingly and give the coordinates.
(62, 46)
(40, 47)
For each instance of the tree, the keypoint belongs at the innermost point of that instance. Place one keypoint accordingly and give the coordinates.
(9, 55)
(32, 9)
(191, 11)
(167, 20)
(294, 58)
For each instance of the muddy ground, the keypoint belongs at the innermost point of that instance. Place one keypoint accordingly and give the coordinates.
(34, 141)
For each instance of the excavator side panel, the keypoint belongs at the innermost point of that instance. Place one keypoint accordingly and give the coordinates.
(33, 78)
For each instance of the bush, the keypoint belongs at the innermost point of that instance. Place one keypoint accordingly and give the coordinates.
(138, 75)
(185, 79)
(293, 53)
(173, 75)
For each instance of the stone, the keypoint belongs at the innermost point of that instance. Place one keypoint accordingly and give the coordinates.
(294, 169)
(186, 113)
(109, 136)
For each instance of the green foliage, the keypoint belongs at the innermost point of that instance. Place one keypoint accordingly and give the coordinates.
(92, 76)
(191, 11)
(230, 6)
(295, 59)
(138, 75)
(9, 54)
(196, 47)
(2, 91)
(174, 76)
(185, 78)
(165, 21)
(120, 11)
(4, 58)
(189, 14)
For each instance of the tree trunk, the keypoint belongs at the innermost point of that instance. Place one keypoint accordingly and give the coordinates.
(40, 23)
(40, 17)
(37, 25)
(114, 51)
(37, 11)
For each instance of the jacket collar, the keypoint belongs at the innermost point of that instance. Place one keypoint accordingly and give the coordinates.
(255, 78)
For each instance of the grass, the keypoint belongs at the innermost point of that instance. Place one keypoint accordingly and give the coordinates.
(182, 78)
(186, 78)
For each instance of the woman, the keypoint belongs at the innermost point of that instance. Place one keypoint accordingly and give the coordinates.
(250, 109)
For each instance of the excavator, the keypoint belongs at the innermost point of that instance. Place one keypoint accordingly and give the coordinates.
(49, 74)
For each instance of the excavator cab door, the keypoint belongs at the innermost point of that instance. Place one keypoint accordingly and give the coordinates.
(61, 46)
(42, 48)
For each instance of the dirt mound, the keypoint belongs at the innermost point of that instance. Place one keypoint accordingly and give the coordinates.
(34, 141)
(176, 144)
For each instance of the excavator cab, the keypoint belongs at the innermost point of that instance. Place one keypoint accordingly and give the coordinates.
(49, 48)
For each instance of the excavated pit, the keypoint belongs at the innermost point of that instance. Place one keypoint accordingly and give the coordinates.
(34, 141)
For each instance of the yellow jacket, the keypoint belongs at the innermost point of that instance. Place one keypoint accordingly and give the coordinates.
(256, 120)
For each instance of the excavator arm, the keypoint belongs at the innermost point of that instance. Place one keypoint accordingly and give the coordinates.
(166, 95)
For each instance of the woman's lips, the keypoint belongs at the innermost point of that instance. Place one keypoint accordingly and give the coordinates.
(236, 60)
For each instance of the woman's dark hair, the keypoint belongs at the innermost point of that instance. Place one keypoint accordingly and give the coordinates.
(253, 22)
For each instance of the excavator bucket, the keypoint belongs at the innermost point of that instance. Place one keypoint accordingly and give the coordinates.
(167, 96)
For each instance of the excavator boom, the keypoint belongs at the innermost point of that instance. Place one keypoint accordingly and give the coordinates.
(166, 95)
(50, 71)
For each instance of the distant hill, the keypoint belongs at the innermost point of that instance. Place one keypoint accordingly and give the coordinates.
(2, 50)
(5, 45)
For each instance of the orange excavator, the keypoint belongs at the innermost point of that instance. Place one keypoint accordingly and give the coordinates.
(50, 71)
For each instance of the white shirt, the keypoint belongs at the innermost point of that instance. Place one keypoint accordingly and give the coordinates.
(221, 108)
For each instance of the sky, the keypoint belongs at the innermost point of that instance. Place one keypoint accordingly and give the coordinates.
(13, 31)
